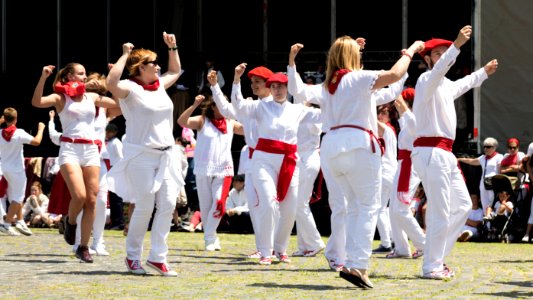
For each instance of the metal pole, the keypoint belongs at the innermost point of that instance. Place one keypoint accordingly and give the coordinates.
(4, 31)
(265, 32)
(405, 22)
(333, 24)
(108, 30)
(477, 54)
(58, 33)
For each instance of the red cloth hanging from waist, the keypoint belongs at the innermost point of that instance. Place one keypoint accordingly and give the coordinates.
(437, 142)
(250, 152)
(372, 136)
(82, 141)
(405, 170)
(3, 186)
(287, 166)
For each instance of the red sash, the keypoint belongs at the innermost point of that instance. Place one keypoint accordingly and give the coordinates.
(82, 141)
(221, 203)
(287, 166)
(372, 136)
(405, 175)
(250, 152)
(437, 142)
(3, 186)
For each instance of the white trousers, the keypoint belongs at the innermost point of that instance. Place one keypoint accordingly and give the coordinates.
(274, 219)
(448, 203)
(358, 173)
(141, 173)
(383, 225)
(403, 223)
(336, 245)
(99, 213)
(308, 237)
(209, 190)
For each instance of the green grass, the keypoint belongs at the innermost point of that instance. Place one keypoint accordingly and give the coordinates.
(42, 266)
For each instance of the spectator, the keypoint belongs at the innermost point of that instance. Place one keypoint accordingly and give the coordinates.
(35, 210)
(474, 222)
(237, 212)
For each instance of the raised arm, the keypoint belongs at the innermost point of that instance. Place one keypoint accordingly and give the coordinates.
(36, 141)
(113, 78)
(51, 100)
(52, 132)
(174, 63)
(223, 105)
(185, 119)
(301, 92)
(400, 67)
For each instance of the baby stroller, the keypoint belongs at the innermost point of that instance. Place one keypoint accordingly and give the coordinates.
(504, 228)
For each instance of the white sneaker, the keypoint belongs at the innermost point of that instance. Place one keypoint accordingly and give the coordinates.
(217, 245)
(23, 228)
(9, 230)
(210, 247)
(100, 250)
(525, 239)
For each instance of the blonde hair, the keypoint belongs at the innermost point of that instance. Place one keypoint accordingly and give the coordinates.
(10, 114)
(137, 58)
(62, 75)
(344, 53)
(38, 185)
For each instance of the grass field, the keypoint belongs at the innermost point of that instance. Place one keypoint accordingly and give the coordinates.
(42, 266)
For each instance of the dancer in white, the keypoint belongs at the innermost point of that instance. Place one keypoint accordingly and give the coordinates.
(403, 223)
(274, 162)
(308, 238)
(149, 173)
(350, 147)
(213, 163)
(258, 77)
(447, 195)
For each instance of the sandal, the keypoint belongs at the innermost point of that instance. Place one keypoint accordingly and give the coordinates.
(355, 277)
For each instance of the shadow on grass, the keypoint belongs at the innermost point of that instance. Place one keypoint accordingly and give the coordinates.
(305, 287)
(101, 272)
(38, 254)
(53, 261)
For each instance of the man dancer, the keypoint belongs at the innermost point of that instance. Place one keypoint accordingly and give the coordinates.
(436, 121)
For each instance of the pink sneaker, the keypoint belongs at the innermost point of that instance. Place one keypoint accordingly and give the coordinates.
(265, 261)
(334, 266)
(256, 254)
(438, 275)
(162, 268)
(134, 266)
(417, 254)
(312, 253)
(284, 258)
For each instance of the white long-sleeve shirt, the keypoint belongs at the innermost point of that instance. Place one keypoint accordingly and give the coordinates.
(435, 94)
(237, 200)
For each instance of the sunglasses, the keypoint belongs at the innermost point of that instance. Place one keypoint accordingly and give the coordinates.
(154, 62)
(512, 148)
(487, 147)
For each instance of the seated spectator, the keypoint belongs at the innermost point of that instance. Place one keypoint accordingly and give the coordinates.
(498, 215)
(35, 210)
(527, 162)
(474, 221)
(237, 212)
(512, 160)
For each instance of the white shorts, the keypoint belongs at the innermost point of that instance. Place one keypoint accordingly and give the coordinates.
(16, 186)
(84, 155)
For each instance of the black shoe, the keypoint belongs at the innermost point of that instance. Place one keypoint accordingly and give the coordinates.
(382, 249)
(70, 232)
(83, 254)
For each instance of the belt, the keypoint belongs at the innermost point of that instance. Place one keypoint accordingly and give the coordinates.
(81, 141)
(370, 133)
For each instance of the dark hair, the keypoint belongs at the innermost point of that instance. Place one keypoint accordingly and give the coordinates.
(111, 127)
(238, 177)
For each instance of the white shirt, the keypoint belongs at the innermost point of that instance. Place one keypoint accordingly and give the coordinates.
(77, 118)
(114, 150)
(237, 200)
(212, 155)
(389, 159)
(433, 105)
(406, 137)
(12, 152)
(492, 164)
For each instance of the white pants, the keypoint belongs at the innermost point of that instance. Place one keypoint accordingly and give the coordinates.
(275, 219)
(253, 202)
(209, 190)
(141, 172)
(358, 173)
(403, 223)
(383, 225)
(16, 186)
(448, 203)
(308, 237)
(336, 245)
(100, 212)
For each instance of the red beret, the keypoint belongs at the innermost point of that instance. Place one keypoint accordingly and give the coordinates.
(408, 94)
(262, 72)
(432, 44)
(278, 78)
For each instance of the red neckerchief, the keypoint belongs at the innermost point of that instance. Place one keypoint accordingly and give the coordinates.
(491, 156)
(148, 87)
(71, 88)
(337, 76)
(510, 160)
(220, 124)
(8, 132)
